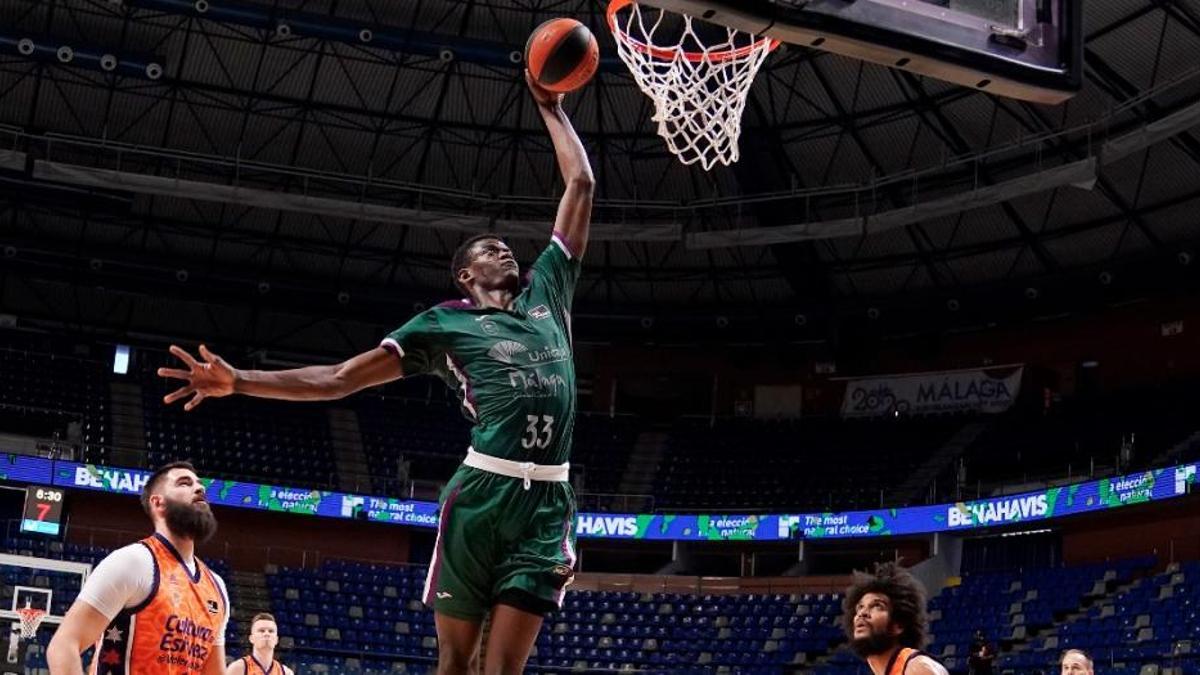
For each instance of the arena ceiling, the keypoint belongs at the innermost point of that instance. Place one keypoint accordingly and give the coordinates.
(227, 124)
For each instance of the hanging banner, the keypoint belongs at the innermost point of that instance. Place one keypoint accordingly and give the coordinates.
(985, 390)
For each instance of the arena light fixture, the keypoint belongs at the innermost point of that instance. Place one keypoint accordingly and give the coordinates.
(121, 360)
(65, 54)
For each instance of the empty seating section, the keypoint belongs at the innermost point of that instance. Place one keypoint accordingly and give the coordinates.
(1010, 606)
(347, 616)
(279, 442)
(1032, 444)
(430, 436)
(742, 464)
(47, 391)
(602, 448)
(1155, 620)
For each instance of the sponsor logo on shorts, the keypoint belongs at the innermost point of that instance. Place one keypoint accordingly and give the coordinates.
(443, 595)
(562, 570)
(540, 312)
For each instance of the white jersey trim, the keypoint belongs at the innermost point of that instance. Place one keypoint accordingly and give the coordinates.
(389, 342)
(562, 245)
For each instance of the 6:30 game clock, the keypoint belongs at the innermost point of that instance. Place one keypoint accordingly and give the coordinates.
(43, 510)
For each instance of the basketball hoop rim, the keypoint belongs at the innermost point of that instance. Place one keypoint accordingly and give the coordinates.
(668, 53)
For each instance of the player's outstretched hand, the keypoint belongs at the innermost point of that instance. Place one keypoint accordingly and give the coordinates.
(212, 378)
(542, 95)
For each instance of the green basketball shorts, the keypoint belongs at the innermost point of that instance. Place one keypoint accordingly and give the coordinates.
(496, 540)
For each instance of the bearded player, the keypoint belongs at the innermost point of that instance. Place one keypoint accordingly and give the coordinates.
(152, 607)
(884, 617)
(506, 537)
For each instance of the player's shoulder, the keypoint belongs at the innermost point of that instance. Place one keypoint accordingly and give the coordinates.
(288, 671)
(135, 554)
(924, 664)
(457, 304)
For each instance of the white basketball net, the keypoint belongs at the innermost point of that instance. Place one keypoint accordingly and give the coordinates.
(31, 618)
(699, 90)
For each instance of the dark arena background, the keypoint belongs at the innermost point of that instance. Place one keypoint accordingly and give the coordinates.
(943, 310)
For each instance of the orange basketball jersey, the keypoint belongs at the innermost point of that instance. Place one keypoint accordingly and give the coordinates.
(900, 660)
(255, 667)
(173, 630)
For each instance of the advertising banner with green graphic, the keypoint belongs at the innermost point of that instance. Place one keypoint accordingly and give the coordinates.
(1029, 507)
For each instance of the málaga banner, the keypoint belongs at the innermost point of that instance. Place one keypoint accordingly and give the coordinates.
(985, 390)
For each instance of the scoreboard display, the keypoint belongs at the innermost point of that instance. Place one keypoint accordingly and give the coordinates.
(43, 510)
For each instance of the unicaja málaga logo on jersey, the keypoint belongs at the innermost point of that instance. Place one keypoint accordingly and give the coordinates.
(505, 351)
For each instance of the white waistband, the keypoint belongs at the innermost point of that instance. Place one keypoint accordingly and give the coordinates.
(526, 471)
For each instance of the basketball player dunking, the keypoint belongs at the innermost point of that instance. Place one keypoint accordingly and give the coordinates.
(264, 636)
(506, 535)
(884, 617)
(152, 607)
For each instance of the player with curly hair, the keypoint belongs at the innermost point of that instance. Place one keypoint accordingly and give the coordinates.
(884, 618)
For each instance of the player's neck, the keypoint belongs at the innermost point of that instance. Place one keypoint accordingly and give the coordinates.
(264, 656)
(184, 546)
(879, 662)
(496, 298)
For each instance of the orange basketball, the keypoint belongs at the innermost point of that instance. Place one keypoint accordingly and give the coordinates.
(562, 55)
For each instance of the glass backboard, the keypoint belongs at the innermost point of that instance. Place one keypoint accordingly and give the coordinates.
(1024, 49)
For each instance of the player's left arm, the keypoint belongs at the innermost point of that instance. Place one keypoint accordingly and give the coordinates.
(923, 665)
(216, 661)
(574, 216)
(216, 656)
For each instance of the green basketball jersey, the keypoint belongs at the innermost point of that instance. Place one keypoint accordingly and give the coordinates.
(513, 369)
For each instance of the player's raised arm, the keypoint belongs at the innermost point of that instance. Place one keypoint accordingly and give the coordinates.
(575, 208)
(213, 377)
